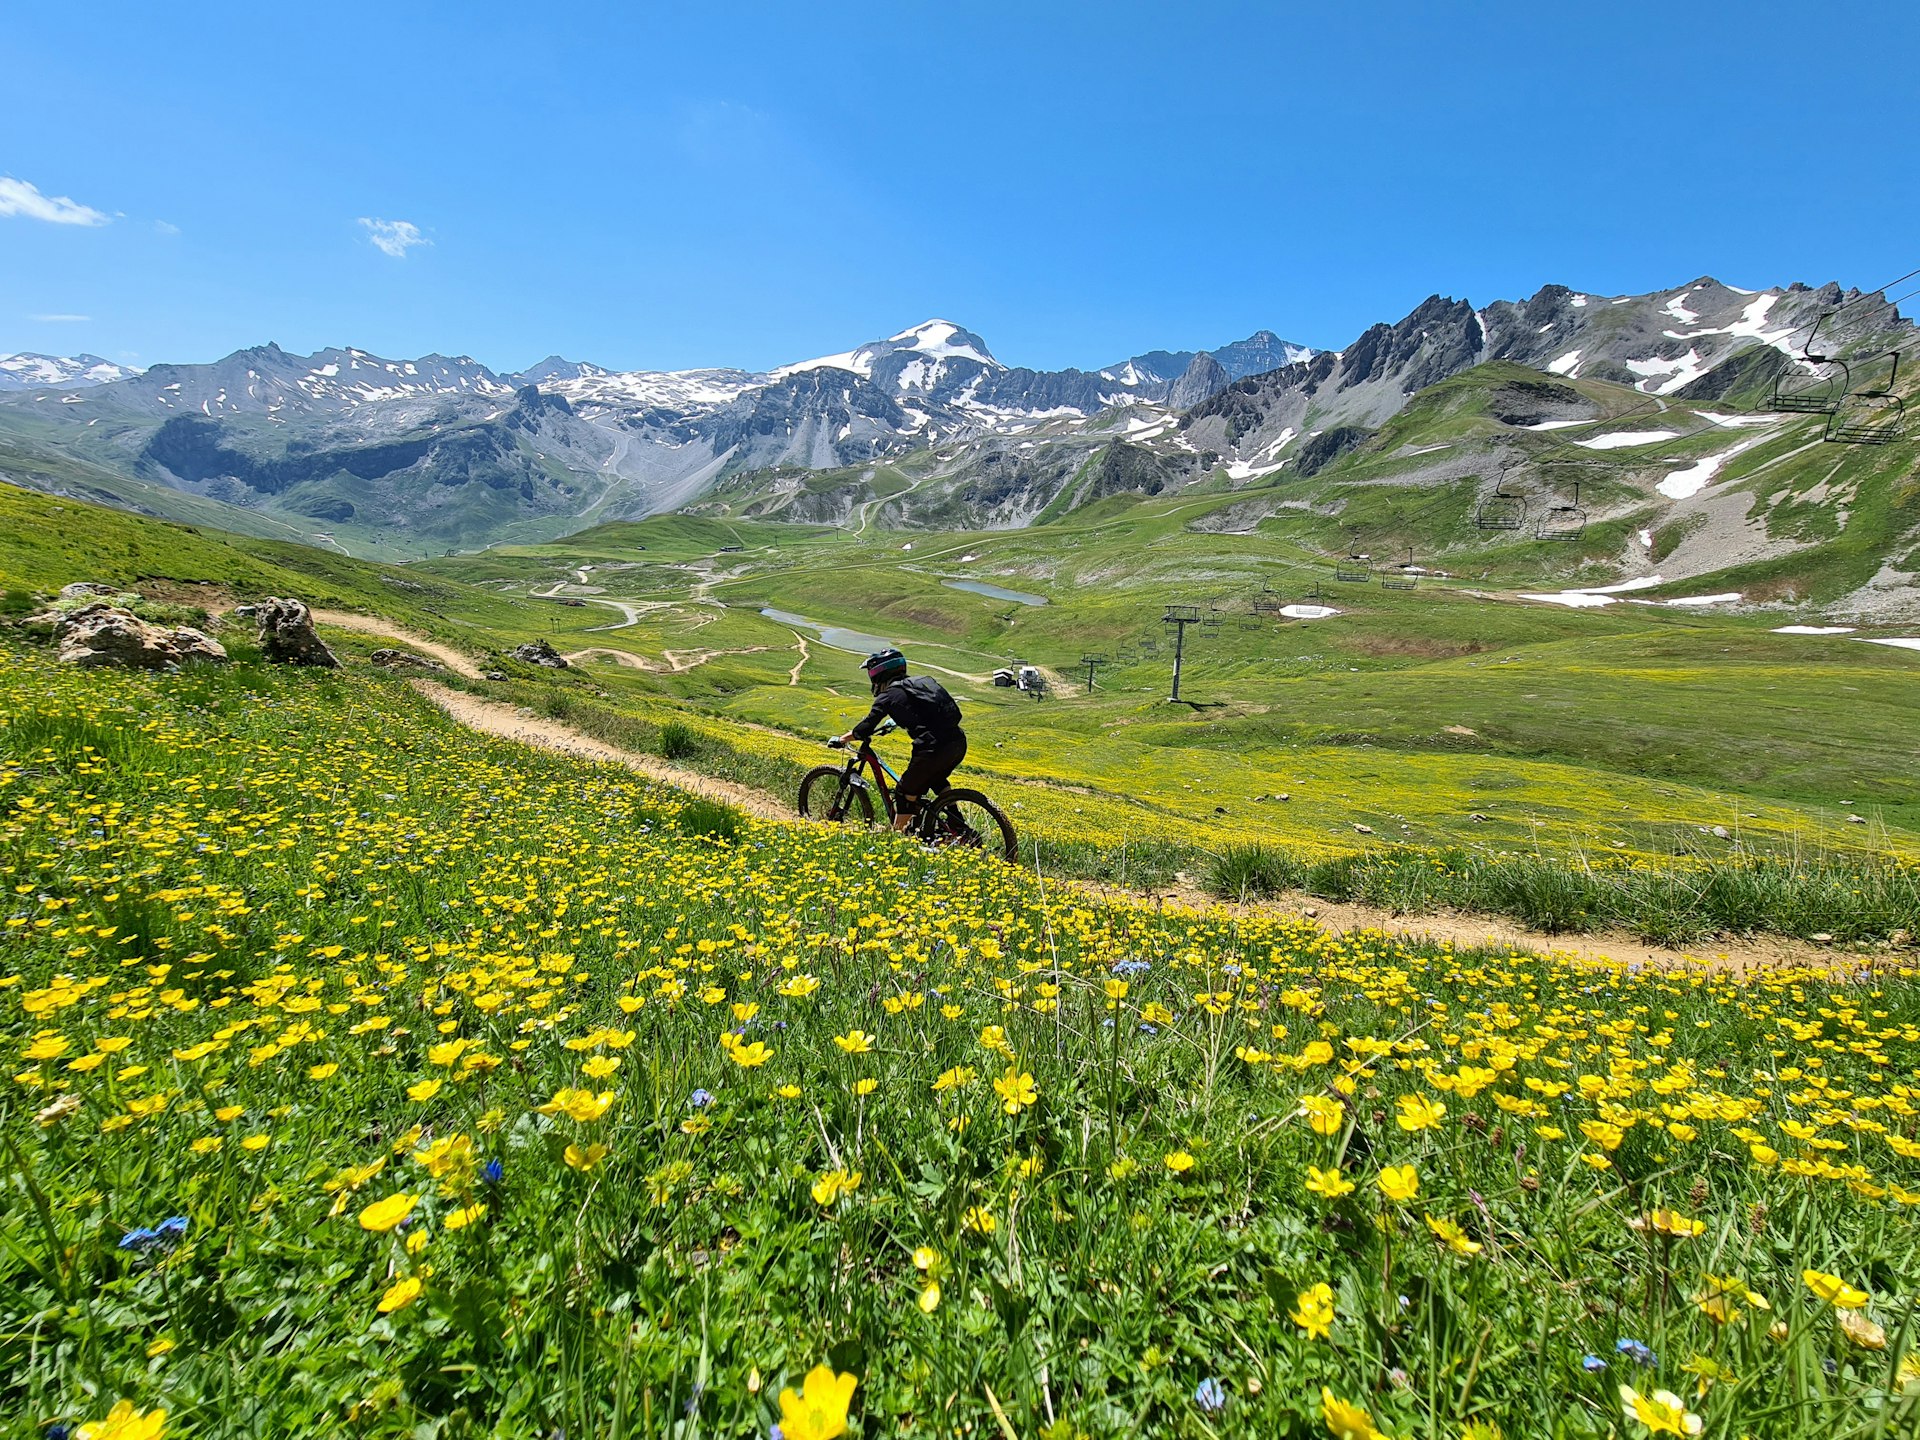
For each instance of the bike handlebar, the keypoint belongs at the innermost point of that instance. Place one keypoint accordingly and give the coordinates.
(834, 742)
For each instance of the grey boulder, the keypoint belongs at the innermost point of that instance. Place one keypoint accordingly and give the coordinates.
(98, 636)
(286, 634)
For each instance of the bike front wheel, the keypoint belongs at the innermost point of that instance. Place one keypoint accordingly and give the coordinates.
(968, 819)
(827, 794)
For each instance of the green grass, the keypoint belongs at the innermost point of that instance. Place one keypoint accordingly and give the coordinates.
(356, 953)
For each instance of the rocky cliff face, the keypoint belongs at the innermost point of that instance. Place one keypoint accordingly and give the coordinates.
(1203, 378)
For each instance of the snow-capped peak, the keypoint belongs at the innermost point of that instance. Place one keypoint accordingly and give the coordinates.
(942, 339)
(933, 339)
(29, 371)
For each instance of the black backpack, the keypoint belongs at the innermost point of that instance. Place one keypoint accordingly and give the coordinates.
(939, 710)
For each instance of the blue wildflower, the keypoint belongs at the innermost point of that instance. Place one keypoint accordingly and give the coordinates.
(172, 1229)
(700, 1099)
(1635, 1350)
(494, 1171)
(1592, 1364)
(1211, 1396)
(139, 1239)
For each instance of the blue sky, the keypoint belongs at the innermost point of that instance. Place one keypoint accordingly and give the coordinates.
(704, 184)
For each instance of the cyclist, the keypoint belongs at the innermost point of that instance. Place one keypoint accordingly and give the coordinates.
(921, 706)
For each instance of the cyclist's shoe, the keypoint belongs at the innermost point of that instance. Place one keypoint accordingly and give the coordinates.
(834, 742)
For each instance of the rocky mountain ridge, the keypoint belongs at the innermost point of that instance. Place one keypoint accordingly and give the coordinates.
(353, 439)
(407, 456)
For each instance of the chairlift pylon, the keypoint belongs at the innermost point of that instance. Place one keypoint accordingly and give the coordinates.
(1563, 522)
(1869, 417)
(1502, 510)
(1818, 394)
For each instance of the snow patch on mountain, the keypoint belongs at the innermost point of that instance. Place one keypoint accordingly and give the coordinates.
(1683, 484)
(1622, 439)
(1679, 311)
(1683, 370)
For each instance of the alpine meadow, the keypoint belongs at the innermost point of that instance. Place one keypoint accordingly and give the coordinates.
(1422, 941)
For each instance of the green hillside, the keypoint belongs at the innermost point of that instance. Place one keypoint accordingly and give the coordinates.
(1456, 718)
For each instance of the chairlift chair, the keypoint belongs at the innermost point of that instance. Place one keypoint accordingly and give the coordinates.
(1354, 568)
(1401, 577)
(1502, 510)
(1817, 394)
(1869, 417)
(1563, 522)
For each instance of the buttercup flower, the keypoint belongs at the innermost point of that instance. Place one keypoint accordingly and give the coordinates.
(819, 1411)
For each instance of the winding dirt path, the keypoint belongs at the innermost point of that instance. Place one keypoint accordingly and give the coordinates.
(603, 652)
(510, 722)
(1462, 931)
(387, 630)
(793, 675)
(1481, 932)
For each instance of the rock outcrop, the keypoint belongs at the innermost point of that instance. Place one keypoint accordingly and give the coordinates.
(81, 589)
(100, 635)
(539, 652)
(286, 634)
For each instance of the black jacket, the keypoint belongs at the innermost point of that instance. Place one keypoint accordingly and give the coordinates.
(919, 705)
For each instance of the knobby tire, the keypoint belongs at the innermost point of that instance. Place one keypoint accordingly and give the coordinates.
(821, 794)
(966, 817)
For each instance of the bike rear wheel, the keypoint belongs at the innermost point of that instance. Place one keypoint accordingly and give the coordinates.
(968, 819)
(827, 794)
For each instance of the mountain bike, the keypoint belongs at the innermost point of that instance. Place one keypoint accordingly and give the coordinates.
(840, 794)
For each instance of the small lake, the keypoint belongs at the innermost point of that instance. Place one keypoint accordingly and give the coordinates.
(996, 592)
(839, 638)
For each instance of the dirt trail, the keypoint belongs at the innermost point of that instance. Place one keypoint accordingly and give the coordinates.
(1474, 932)
(602, 652)
(1463, 931)
(386, 629)
(793, 675)
(510, 722)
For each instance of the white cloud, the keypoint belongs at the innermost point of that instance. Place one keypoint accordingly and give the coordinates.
(394, 237)
(17, 197)
(166, 227)
(60, 319)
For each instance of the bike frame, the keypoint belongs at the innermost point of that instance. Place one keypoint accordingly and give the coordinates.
(866, 756)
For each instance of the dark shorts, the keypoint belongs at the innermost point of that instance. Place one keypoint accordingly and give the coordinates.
(928, 769)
